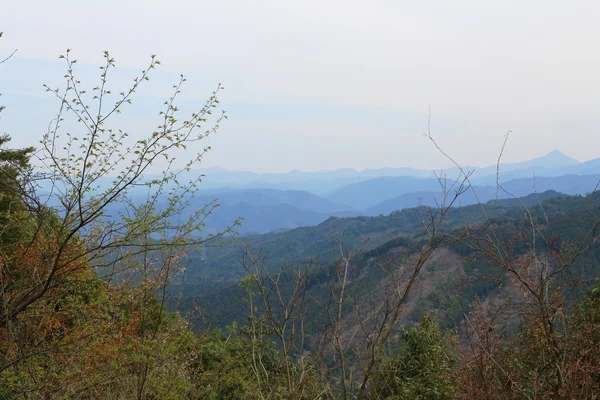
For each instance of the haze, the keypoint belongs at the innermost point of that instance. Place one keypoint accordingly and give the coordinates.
(315, 85)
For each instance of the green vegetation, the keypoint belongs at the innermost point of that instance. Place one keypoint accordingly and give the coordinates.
(423, 367)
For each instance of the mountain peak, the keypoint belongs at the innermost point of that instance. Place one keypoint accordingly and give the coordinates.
(551, 161)
(558, 158)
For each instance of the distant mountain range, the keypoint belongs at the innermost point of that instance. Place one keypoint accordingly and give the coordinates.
(268, 210)
(568, 184)
(365, 194)
(265, 219)
(275, 202)
(299, 199)
(554, 163)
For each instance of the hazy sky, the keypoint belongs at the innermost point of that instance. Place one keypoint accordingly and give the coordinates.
(327, 84)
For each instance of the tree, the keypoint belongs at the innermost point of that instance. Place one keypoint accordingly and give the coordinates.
(87, 207)
(92, 178)
(13, 166)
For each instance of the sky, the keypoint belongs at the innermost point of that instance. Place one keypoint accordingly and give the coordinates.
(320, 85)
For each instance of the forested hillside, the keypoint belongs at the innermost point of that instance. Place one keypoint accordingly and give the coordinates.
(213, 274)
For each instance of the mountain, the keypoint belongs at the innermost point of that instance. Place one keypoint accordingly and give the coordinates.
(262, 210)
(348, 192)
(323, 183)
(585, 168)
(554, 159)
(368, 193)
(300, 199)
(552, 164)
(568, 184)
(266, 210)
(529, 200)
(213, 279)
(315, 182)
(261, 219)
(270, 210)
(316, 242)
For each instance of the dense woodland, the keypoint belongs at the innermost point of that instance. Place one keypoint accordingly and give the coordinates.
(104, 298)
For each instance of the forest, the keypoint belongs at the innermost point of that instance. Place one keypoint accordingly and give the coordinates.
(104, 297)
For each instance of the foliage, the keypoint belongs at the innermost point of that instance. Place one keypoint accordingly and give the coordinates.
(422, 368)
(247, 365)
